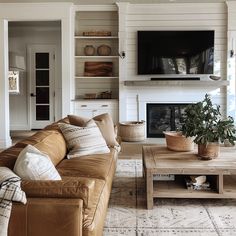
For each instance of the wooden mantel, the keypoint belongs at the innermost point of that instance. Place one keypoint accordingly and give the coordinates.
(151, 83)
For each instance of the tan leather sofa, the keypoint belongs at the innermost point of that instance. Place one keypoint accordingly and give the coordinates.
(74, 206)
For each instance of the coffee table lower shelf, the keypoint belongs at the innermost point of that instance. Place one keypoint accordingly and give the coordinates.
(177, 189)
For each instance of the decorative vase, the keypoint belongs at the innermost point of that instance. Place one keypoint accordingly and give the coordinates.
(175, 141)
(89, 50)
(104, 50)
(208, 151)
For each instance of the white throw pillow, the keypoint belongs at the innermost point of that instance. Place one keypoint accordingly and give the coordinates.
(32, 164)
(86, 140)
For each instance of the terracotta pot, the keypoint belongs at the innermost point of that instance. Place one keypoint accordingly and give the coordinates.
(209, 151)
(89, 50)
(175, 141)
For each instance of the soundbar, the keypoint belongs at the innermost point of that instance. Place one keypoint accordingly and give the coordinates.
(177, 78)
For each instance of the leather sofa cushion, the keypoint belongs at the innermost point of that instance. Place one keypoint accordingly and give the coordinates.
(68, 187)
(50, 142)
(93, 166)
(94, 217)
(8, 157)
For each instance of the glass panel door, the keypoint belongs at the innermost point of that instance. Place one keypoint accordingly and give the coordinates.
(42, 86)
(41, 78)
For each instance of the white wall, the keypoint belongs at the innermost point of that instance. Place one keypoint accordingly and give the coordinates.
(20, 37)
(174, 16)
(231, 69)
(37, 12)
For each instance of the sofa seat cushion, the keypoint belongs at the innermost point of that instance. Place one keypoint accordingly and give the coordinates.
(50, 142)
(68, 187)
(94, 166)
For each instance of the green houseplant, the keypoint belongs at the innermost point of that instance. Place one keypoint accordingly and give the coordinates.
(203, 121)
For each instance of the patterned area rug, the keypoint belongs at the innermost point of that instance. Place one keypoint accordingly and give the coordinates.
(127, 213)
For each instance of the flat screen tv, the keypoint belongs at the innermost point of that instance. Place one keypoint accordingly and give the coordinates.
(175, 52)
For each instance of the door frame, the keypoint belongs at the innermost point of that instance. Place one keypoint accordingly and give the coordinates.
(30, 48)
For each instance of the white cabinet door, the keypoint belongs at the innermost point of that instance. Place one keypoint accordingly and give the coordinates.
(93, 108)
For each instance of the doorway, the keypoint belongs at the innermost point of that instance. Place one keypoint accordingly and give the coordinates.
(41, 78)
(39, 100)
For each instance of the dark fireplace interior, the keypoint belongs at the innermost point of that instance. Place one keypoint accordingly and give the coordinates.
(164, 117)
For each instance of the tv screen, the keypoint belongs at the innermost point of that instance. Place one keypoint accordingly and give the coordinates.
(175, 52)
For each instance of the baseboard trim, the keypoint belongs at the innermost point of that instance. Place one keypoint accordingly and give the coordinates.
(19, 127)
(5, 143)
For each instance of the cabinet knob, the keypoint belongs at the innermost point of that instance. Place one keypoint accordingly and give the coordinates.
(83, 105)
(94, 110)
(104, 105)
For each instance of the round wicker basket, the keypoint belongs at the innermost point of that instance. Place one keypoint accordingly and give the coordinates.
(132, 131)
(175, 141)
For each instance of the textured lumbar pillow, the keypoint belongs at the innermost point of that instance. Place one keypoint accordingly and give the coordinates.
(32, 164)
(104, 123)
(85, 140)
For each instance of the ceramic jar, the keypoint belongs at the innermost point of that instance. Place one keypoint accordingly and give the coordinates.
(89, 50)
(104, 50)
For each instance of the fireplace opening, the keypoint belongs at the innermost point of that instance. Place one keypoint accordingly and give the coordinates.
(164, 117)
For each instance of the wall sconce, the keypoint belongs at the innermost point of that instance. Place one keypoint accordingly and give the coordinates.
(122, 54)
(16, 62)
(232, 53)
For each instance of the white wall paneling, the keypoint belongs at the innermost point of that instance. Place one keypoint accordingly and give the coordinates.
(231, 65)
(174, 16)
(5, 139)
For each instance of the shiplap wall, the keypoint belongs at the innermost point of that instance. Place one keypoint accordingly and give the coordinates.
(231, 99)
(192, 16)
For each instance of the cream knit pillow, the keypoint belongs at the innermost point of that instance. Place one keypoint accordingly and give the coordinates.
(32, 164)
(104, 123)
(85, 140)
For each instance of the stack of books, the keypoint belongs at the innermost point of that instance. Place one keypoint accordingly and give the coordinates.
(163, 177)
(194, 182)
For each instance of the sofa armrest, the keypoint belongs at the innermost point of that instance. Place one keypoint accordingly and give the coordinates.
(45, 216)
(68, 187)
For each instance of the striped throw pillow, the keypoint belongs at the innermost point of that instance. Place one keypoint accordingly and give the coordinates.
(85, 140)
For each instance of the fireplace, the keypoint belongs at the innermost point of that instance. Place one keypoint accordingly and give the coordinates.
(164, 117)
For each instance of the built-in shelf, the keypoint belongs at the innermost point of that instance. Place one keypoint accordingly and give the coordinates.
(148, 83)
(94, 57)
(95, 100)
(96, 77)
(96, 37)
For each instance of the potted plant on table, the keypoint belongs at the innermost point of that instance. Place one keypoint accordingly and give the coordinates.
(203, 121)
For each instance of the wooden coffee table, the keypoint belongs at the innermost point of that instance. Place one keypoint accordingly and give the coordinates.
(160, 160)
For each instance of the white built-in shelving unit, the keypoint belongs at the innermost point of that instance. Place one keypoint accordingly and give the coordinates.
(96, 18)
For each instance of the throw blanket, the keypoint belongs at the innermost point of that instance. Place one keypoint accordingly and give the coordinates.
(9, 191)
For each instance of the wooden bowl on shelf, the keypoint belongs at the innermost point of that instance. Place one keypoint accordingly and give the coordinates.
(90, 95)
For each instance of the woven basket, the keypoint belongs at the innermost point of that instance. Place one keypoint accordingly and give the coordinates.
(132, 131)
(175, 141)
